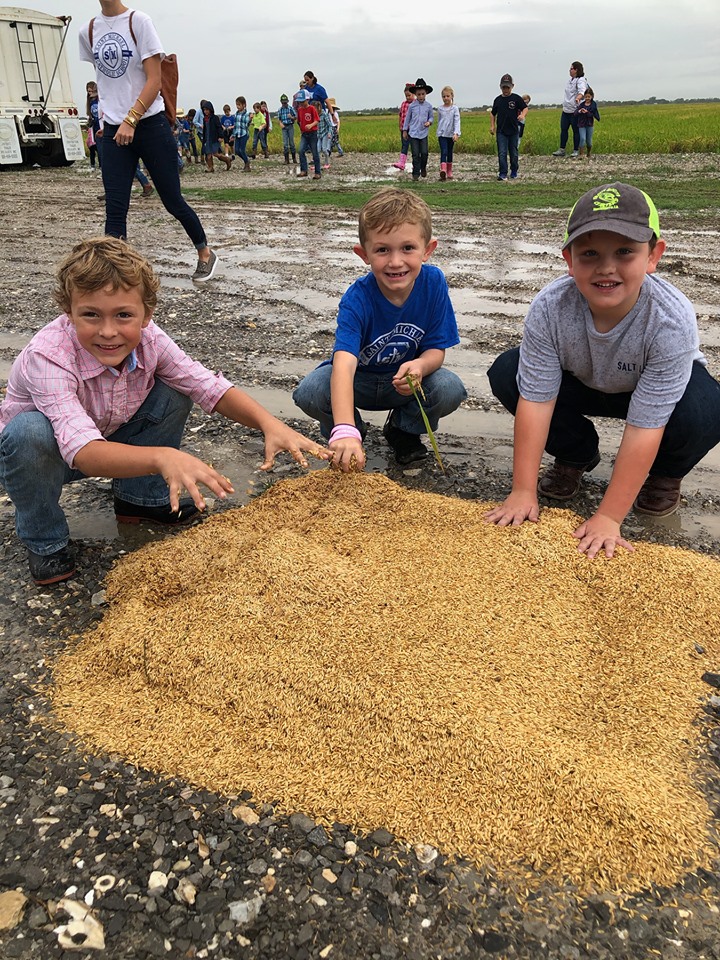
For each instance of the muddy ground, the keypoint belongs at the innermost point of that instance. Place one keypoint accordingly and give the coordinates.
(266, 320)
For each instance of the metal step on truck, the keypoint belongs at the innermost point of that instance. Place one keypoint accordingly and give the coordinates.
(39, 122)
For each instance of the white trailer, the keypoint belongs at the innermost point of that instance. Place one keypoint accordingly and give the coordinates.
(39, 120)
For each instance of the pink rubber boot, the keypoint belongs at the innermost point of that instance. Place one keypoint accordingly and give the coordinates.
(449, 171)
(443, 171)
(401, 161)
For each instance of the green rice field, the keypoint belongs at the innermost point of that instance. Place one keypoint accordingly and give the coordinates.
(658, 128)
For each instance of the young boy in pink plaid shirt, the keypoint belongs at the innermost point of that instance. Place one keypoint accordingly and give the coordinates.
(103, 392)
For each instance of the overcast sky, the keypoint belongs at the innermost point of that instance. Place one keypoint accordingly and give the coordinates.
(364, 53)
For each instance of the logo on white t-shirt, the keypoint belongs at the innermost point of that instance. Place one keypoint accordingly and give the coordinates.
(112, 55)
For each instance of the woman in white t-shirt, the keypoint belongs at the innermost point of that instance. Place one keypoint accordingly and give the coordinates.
(574, 92)
(126, 52)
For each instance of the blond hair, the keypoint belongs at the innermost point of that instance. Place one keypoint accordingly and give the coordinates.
(105, 262)
(390, 208)
(447, 90)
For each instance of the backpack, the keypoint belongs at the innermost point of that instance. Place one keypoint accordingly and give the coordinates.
(168, 74)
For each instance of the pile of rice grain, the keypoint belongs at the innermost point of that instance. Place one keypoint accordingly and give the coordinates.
(363, 653)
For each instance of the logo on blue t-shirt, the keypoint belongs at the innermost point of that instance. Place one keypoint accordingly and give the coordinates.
(392, 347)
(112, 55)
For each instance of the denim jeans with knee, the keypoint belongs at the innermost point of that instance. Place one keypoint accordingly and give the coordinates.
(155, 145)
(568, 121)
(507, 144)
(419, 147)
(692, 430)
(444, 392)
(309, 143)
(288, 139)
(33, 472)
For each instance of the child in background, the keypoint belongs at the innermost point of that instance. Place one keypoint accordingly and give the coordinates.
(193, 136)
(395, 322)
(335, 117)
(418, 120)
(448, 131)
(241, 132)
(308, 120)
(227, 120)
(611, 339)
(286, 118)
(259, 129)
(507, 110)
(402, 113)
(212, 138)
(103, 392)
(92, 147)
(325, 130)
(587, 114)
(521, 120)
(184, 136)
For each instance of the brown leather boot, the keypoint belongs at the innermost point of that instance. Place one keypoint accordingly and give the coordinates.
(658, 496)
(562, 481)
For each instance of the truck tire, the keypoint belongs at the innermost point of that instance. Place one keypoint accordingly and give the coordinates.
(48, 154)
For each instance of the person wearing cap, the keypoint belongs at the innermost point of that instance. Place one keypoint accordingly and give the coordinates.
(286, 117)
(309, 120)
(402, 113)
(335, 118)
(418, 120)
(507, 111)
(611, 339)
(572, 95)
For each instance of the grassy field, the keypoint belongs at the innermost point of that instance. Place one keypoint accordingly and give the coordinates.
(663, 128)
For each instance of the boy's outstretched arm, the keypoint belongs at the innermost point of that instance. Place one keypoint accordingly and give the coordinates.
(637, 451)
(532, 423)
(237, 405)
(180, 470)
(342, 400)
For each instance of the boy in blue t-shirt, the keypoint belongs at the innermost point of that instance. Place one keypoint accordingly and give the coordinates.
(395, 322)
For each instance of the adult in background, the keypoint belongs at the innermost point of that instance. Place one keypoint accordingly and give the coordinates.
(126, 52)
(317, 92)
(574, 92)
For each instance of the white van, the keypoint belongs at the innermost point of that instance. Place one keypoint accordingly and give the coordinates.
(39, 120)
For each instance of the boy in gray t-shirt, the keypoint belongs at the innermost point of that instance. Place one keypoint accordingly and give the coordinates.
(609, 340)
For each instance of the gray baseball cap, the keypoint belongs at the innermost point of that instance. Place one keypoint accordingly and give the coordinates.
(615, 206)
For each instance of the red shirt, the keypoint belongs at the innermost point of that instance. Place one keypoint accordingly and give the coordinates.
(307, 116)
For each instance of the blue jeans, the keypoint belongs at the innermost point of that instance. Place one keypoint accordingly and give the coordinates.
(507, 143)
(444, 392)
(568, 120)
(309, 142)
(692, 430)
(155, 145)
(33, 472)
(288, 139)
(240, 145)
(585, 134)
(404, 145)
(259, 135)
(419, 147)
(447, 145)
(141, 178)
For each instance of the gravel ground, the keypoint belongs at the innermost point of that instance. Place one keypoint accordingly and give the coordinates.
(171, 870)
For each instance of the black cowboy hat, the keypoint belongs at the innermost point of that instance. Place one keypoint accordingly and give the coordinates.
(420, 85)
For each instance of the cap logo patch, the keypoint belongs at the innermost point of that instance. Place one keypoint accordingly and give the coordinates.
(607, 199)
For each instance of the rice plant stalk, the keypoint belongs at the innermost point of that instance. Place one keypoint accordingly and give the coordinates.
(433, 442)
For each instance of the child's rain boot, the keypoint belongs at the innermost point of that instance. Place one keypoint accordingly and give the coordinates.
(401, 161)
(443, 171)
(287, 159)
(449, 171)
(588, 152)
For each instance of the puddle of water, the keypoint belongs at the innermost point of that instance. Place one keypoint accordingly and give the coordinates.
(469, 300)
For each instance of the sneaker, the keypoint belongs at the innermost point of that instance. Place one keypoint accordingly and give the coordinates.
(147, 190)
(416, 178)
(514, 176)
(317, 176)
(51, 567)
(326, 166)
(407, 447)
(423, 173)
(559, 153)
(575, 153)
(302, 173)
(205, 271)
(501, 179)
(659, 496)
(137, 513)
(562, 481)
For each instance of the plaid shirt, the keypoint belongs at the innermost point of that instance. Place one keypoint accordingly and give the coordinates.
(242, 123)
(325, 127)
(86, 400)
(286, 115)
